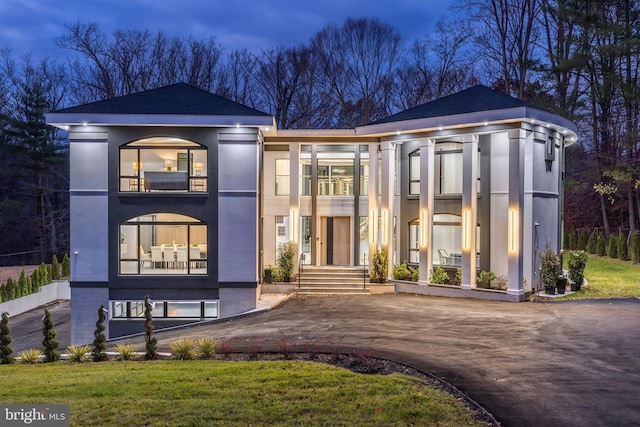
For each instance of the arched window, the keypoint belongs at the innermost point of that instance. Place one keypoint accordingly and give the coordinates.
(163, 164)
(163, 243)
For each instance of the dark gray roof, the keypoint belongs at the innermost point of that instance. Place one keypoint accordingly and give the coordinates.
(475, 99)
(176, 99)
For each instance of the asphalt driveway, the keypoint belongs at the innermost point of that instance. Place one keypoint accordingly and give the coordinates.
(530, 364)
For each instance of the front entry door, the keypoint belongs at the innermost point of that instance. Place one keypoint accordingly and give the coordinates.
(335, 241)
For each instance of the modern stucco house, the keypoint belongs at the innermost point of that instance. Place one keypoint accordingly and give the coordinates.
(185, 195)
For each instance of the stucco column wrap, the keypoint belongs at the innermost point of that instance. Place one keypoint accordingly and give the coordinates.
(427, 158)
(515, 215)
(469, 210)
(386, 210)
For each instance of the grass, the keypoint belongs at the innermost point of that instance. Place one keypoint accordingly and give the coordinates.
(214, 393)
(608, 278)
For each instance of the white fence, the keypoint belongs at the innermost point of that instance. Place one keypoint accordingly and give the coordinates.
(59, 289)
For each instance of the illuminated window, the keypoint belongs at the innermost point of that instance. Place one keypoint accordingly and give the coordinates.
(162, 164)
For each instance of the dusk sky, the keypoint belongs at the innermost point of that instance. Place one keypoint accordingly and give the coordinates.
(31, 25)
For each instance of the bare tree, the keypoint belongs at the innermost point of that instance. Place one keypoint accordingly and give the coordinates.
(506, 32)
(131, 61)
(356, 65)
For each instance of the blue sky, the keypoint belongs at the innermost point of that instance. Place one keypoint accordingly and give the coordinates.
(30, 25)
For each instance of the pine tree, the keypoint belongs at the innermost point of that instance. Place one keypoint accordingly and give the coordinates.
(612, 250)
(66, 266)
(5, 340)
(55, 268)
(600, 246)
(99, 340)
(2, 292)
(635, 248)
(151, 342)
(623, 250)
(582, 240)
(591, 244)
(49, 342)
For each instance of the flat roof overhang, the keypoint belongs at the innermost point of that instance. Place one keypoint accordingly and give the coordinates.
(475, 120)
(65, 120)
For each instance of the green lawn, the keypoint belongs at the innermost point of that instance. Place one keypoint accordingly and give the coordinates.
(210, 393)
(608, 278)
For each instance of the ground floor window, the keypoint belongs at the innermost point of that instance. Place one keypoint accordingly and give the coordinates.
(447, 240)
(163, 243)
(165, 309)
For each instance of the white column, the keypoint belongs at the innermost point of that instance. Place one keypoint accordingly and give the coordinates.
(515, 218)
(294, 196)
(386, 210)
(374, 209)
(427, 148)
(469, 210)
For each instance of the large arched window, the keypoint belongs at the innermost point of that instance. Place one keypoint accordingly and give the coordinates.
(163, 164)
(163, 243)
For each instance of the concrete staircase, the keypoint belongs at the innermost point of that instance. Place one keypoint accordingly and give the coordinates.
(332, 280)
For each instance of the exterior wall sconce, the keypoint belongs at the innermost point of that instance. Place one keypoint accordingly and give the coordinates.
(197, 168)
(385, 227)
(513, 230)
(293, 224)
(466, 230)
(424, 232)
(373, 226)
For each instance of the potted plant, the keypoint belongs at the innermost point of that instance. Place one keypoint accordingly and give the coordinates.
(549, 270)
(267, 274)
(379, 264)
(286, 259)
(576, 263)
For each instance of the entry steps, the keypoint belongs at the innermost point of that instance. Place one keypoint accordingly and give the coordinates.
(333, 280)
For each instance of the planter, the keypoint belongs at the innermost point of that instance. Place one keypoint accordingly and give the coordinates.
(376, 289)
(550, 290)
(575, 286)
(561, 285)
(267, 275)
(286, 279)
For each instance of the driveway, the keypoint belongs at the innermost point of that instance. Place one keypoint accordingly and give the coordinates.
(530, 364)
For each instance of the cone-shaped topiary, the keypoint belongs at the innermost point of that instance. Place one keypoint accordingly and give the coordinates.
(623, 250)
(5, 340)
(49, 342)
(151, 342)
(573, 240)
(11, 291)
(601, 249)
(593, 240)
(99, 341)
(55, 268)
(612, 250)
(582, 240)
(24, 284)
(66, 266)
(635, 248)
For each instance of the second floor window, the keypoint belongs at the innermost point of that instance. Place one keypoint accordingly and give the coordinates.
(163, 164)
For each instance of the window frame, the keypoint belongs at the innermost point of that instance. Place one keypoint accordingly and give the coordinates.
(197, 183)
(187, 221)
